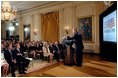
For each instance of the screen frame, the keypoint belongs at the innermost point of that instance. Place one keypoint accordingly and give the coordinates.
(108, 50)
(104, 14)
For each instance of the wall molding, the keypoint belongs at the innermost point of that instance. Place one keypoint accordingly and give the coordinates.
(55, 6)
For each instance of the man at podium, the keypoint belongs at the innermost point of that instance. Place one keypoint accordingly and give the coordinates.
(78, 46)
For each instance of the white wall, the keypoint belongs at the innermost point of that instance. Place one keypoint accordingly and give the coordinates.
(69, 13)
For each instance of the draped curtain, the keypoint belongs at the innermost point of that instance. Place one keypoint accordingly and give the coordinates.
(50, 26)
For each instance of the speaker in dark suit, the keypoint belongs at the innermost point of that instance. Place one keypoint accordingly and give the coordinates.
(78, 46)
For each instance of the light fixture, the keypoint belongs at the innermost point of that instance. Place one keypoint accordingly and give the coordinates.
(108, 3)
(35, 31)
(7, 12)
(16, 23)
(10, 24)
(67, 28)
(26, 29)
(11, 28)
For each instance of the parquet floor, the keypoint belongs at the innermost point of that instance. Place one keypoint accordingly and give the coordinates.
(93, 66)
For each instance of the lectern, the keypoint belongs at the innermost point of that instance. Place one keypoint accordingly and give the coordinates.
(69, 57)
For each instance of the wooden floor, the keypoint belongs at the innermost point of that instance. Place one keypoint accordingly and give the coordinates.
(93, 66)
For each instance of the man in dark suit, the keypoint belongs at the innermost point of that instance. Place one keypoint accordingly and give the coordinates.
(56, 51)
(78, 46)
(61, 48)
(51, 48)
(10, 58)
(20, 59)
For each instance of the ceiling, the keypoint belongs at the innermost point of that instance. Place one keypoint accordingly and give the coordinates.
(25, 5)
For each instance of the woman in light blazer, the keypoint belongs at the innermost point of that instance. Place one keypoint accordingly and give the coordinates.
(46, 51)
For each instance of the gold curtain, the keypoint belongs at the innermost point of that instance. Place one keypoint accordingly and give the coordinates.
(50, 26)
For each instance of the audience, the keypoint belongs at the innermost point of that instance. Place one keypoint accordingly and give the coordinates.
(13, 52)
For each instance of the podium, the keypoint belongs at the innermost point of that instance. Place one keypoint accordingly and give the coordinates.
(69, 57)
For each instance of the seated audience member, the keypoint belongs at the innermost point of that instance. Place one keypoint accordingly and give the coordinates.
(40, 49)
(37, 46)
(20, 60)
(51, 48)
(56, 51)
(4, 64)
(64, 50)
(46, 52)
(3, 44)
(40, 45)
(61, 49)
(21, 46)
(25, 46)
(32, 49)
(10, 58)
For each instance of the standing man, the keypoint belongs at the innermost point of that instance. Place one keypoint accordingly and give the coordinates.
(78, 46)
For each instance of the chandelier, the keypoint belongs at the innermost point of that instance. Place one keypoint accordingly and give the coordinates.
(7, 12)
(108, 3)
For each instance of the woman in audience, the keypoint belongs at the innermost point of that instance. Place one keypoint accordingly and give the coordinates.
(25, 46)
(46, 51)
(32, 49)
(37, 46)
(4, 64)
(40, 49)
(10, 57)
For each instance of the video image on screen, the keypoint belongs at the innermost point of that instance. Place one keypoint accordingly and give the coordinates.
(109, 27)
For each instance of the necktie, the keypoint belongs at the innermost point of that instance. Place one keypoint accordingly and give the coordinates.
(57, 47)
(10, 54)
(18, 50)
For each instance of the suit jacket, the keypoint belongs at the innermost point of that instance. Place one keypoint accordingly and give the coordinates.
(60, 47)
(40, 46)
(22, 47)
(8, 56)
(78, 40)
(64, 46)
(18, 51)
(32, 47)
(25, 47)
(55, 48)
(51, 49)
